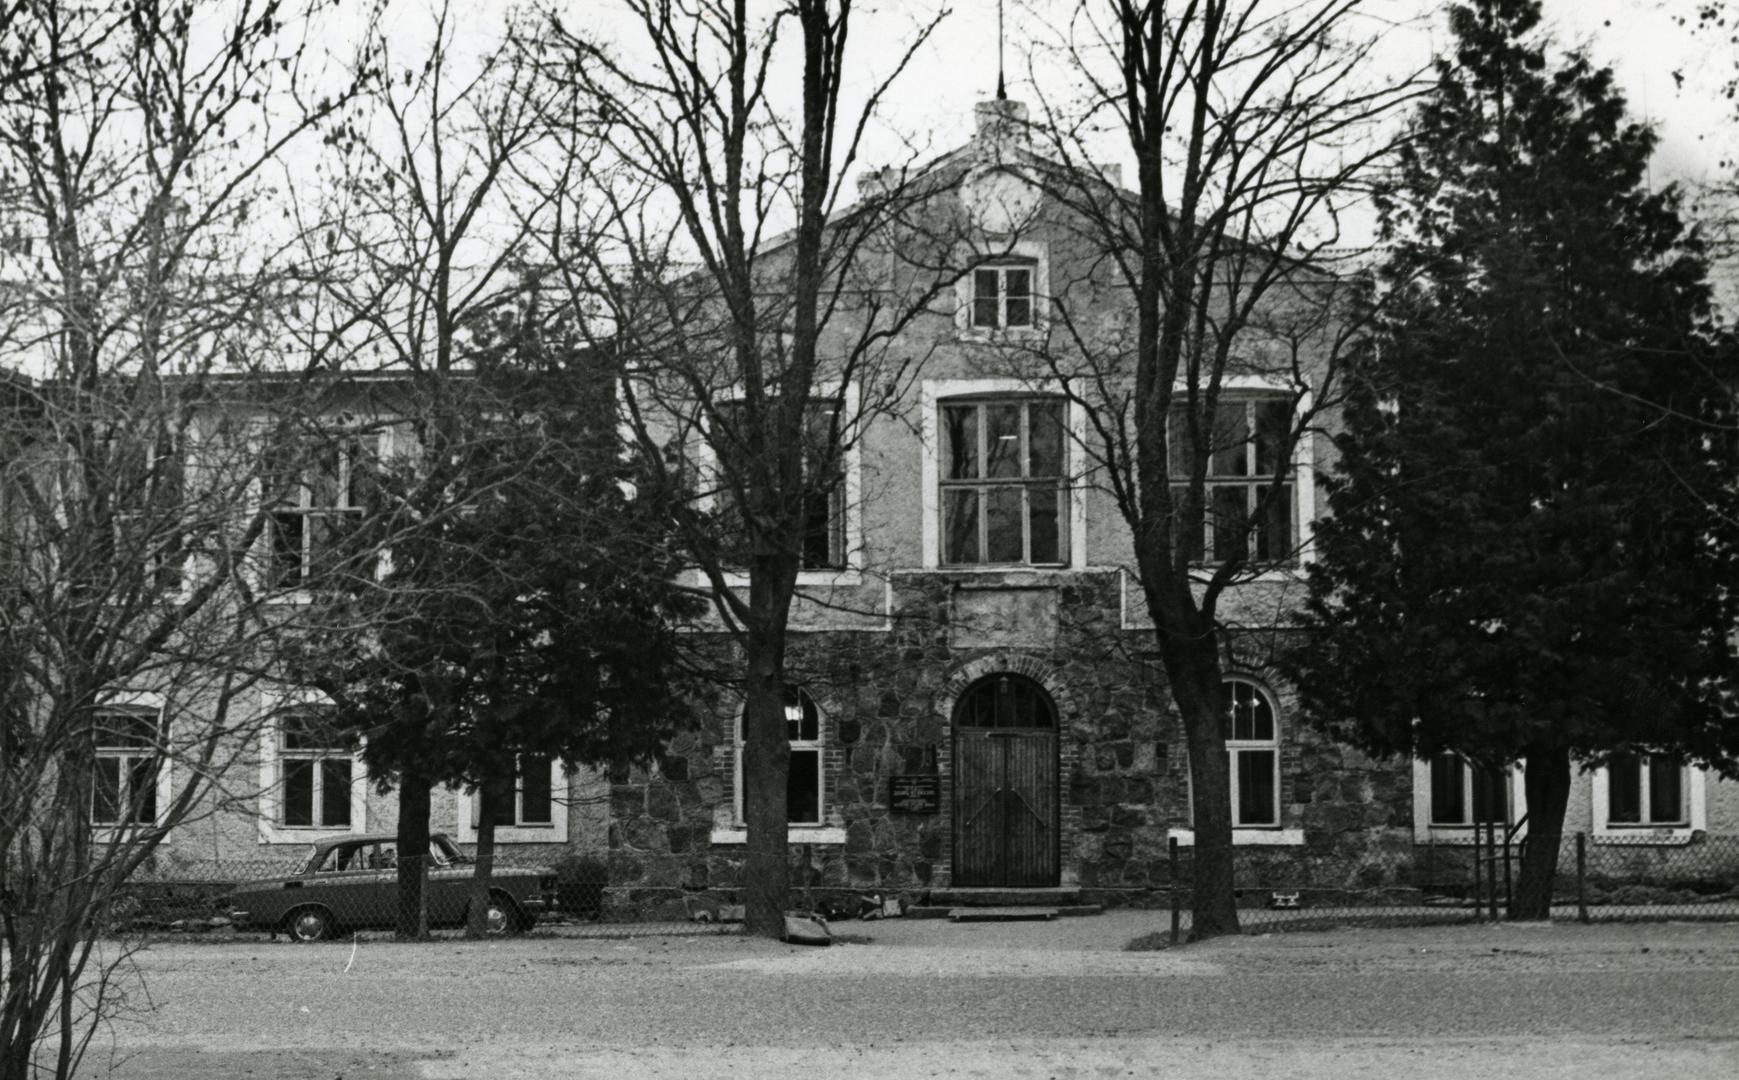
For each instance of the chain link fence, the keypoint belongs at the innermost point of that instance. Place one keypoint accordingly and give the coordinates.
(1597, 879)
(347, 887)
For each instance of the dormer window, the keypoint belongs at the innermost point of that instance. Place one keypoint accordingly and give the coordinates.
(1002, 296)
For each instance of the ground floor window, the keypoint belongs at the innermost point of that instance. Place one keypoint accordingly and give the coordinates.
(1464, 793)
(1253, 753)
(124, 791)
(317, 764)
(805, 790)
(532, 804)
(1646, 790)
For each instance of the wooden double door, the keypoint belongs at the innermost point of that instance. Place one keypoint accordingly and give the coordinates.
(1005, 791)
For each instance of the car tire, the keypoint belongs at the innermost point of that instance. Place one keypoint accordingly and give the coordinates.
(310, 923)
(504, 917)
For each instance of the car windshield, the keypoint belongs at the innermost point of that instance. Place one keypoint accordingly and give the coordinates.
(443, 853)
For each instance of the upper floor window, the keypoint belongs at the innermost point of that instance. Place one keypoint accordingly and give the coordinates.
(805, 791)
(821, 531)
(1646, 790)
(1243, 514)
(1004, 492)
(128, 757)
(1464, 793)
(1253, 752)
(1002, 295)
(316, 494)
(149, 516)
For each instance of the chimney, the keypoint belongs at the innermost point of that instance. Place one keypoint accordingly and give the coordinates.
(1002, 129)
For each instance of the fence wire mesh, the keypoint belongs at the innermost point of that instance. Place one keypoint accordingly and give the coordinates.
(1595, 878)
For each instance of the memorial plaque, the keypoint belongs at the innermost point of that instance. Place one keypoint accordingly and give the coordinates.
(915, 794)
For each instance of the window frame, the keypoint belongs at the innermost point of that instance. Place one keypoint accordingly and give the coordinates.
(1469, 777)
(1279, 834)
(848, 491)
(353, 443)
(1426, 831)
(1255, 483)
(316, 757)
(1693, 800)
(1015, 255)
(155, 751)
(816, 746)
(274, 703)
(553, 831)
(1025, 482)
(931, 394)
(1000, 269)
(1236, 747)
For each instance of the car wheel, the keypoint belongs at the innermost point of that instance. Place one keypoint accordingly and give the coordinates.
(503, 917)
(309, 924)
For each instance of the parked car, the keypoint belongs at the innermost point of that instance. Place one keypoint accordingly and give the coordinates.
(351, 883)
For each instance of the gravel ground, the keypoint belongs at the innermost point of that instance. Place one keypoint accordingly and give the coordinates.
(934, 999)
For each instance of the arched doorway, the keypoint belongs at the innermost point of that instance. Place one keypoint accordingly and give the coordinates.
(1005, 784)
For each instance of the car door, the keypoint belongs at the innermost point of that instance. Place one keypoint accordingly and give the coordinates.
(449, 885)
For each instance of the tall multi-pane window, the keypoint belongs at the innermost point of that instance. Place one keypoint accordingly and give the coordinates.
(822, 535)
(1004, 488)
(316, 764)
(533, 797)
(1242, 513)
(1646, 790)
(1465, 793)
(128, 757)
(1253, 750)
(148, 513)
(804, 789)
(316, 491)
(1002, 296)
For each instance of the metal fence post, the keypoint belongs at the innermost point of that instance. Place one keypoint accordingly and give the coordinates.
(1582, 877)
(1509, 893)
(1171, 852)
(1491, 869)
(1478, 893)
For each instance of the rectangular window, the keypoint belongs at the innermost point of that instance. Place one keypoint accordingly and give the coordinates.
(1004, 490)
(1645, 790)
(821, 530)
(1243, 513)
(149, 526)
(128, 756)
(1463, 793)
(533, 802)
(316, 763)
(317, 494)
(1002, 296)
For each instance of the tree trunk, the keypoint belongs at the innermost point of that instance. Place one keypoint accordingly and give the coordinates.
(1546, 780)
(1194, 671)
(766, 756)
(413, 839)
(489, 796)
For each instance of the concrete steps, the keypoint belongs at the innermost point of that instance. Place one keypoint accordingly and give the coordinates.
(1002, 904)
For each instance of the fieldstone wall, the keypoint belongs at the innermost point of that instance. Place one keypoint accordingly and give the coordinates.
(887, 699)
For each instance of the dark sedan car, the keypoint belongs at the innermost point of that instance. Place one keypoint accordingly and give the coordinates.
(351, 883)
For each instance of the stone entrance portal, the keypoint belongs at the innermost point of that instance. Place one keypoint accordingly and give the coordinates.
(1005, 785)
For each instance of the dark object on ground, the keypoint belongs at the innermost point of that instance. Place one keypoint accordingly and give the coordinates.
(802, 928)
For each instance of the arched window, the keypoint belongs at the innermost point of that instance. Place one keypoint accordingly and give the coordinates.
(1253, 750)
(1005, 701)
(805, 792)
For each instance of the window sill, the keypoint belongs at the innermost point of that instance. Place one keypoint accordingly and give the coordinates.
(1248, 837)
(825, 835)
(1644, 835)
(1462, 835)
(112, 834)
(813, 579)
(305, 834)
(985, 336)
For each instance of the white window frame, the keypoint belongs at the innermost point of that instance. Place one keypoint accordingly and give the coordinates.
(1696, 811)
(1248, 392)
(298, 592)
(932, 393)
(1023, 483)
(851, 574)
(1275, 835)
(1425, 831)
(274, 704)
(1031, 254)
(555, 831)
(1235, 747)
(141, 702)
(735, 830)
